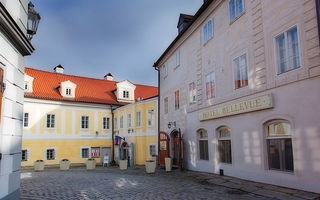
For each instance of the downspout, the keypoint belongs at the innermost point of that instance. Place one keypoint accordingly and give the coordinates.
(318, 17)
(155, 67)
(112, 135)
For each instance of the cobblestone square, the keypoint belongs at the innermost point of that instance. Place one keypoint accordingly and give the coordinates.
(112, 183)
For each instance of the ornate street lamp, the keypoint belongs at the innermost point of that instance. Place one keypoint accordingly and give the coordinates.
(33, 21)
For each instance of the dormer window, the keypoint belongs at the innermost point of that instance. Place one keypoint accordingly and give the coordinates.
(126, 94)
(28, 83)
(68, 91)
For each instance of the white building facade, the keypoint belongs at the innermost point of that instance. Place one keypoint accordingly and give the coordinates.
(14, 45)
(239, 86)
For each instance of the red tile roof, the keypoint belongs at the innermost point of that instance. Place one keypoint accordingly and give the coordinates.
(89, 90)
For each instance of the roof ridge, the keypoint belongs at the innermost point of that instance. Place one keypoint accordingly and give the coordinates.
(77, 76)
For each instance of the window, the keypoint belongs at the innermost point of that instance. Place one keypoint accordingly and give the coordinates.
(176, 100)
(51, 154)
(152, 150)
(150, 117)
(129, 120)
(115, 121)
(164, 71)
(95, 152)
(50, 121)
(240, 68)
(287, 51)
(25, 119)
(203, 144)
(192, 93)
(207, 31)
(121, 121)
(177, 55)
(210, 91)
(165, 102)
(24, 155)
(68, 91)
(236, 8)
(138, 119)
(84, 152)
(126, 94)
(106, 123)
(26, 85)
(224, 145)
(84, 122)
(279, 145)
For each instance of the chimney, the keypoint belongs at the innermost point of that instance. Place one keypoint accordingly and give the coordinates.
(108, 77)
(58, 69)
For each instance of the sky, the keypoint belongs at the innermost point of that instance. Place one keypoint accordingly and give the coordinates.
(93, 38)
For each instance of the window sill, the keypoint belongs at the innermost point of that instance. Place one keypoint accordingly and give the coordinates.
(287, 72)
(176, 67)
(236, 18)
(281, 172)
(205, 43)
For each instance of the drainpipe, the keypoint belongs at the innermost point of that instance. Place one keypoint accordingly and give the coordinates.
(112, 131)
(155, 67)
(318, 17)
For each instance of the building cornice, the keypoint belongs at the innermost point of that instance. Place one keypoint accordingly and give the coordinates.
(12, 31)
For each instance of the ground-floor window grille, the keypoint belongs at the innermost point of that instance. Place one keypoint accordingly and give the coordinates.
(85, 152)
(51, 154)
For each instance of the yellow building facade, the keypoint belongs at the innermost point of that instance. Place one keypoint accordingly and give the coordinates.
(56, 128)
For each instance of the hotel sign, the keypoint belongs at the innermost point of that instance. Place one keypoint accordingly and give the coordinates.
(258, 103)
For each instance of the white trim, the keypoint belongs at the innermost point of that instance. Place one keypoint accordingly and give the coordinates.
(55, 153)
(81, 122)
(89, 151)
(28, 154)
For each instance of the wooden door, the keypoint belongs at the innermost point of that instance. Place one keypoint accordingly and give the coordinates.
(163, 148)
(176, 150)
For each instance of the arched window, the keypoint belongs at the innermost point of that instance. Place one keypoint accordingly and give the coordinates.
(203, 144)
(279, 145)
(224, 145)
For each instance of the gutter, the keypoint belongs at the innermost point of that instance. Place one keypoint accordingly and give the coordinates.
(318, 17)
(158, 113)
(113, 162)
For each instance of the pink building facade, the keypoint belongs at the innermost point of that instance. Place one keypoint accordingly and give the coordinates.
(240, 86)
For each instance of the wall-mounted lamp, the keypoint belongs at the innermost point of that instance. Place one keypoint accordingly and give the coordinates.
(170, 124)
(33, 21)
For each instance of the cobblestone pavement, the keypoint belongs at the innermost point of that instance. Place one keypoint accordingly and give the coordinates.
(112, 183)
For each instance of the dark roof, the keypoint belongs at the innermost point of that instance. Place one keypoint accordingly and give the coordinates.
(195, 17)
(184, 18)
(58, 66)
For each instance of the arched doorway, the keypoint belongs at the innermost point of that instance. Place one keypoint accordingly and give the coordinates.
(176, 146)
(124, 151)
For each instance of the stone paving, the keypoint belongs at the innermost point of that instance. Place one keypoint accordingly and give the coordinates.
(112, 183)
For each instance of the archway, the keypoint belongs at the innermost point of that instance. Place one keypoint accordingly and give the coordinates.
(176, 146)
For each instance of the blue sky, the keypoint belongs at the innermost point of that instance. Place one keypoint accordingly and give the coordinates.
(92, 38)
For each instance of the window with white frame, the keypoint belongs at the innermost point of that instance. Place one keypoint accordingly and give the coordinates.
(224, 145)
(236, 8)
(26, 85)
(51, 120)
(207, 31)
(177, 55)
(138, 118)
(164, 71)
(177, 100)
(279, 145)
(84, 122)
(121, 121)
(203, 144)
(128, 120)
(115, 122)
(68, 91)
(24, 155)
(150, 117)
(192, 93)
(50, 154)
(152, 150)
(166, 105)
(106, 123)
(85, 152)
(25, 119)
(287, 50)
(126, 94)
(210, 86)
(240, 69)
